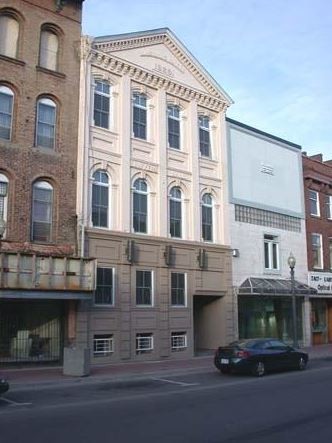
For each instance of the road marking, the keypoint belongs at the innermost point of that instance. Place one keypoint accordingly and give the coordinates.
(15, 403)
(181, 383)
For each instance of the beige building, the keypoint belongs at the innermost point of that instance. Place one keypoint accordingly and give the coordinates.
(152, 192)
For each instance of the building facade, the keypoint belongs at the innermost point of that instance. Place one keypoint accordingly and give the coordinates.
(152, 196)
(41, 279)
(317, 176)
(267, 224)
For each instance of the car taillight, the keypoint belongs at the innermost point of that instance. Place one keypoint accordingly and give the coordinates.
(243, 354)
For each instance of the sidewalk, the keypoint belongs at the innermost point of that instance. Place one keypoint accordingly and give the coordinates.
(33, 377)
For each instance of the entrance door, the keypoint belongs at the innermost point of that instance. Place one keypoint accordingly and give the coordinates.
(30, 331)
(329, 320)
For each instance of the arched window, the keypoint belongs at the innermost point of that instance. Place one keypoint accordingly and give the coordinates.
(49, 49)
(3, 200)
(6, 112)
(140, 206)
(207, 217)
(9, 32)
(101, 111)
(140, 115)
(42, 204)
(100, 199)
(173, 112)
(204, 136)
(175, 212)
(45, 124)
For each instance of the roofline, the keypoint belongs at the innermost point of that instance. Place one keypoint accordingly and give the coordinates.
(265, 134)
(170, 33)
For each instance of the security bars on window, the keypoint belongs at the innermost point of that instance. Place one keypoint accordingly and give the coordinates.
(144, 343)
(103, 346)
(179, 341)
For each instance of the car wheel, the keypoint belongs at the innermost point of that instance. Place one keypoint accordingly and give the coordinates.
(259, 369)
(301, 364)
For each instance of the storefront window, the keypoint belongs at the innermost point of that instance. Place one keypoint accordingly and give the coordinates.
(318, 315)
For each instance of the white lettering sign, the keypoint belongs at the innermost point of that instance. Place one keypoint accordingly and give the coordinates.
(322, 281)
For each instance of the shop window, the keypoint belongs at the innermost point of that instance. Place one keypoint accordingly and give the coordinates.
(9, 33)
(42, 205)
(317, 250)
(271, 253)
(104, 294)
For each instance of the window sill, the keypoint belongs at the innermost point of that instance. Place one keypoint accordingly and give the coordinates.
(42, 150)
(142, 140)
(15, 61)
(49, 71)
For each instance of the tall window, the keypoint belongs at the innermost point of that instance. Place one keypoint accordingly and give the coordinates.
(144, 288)
(9, 32)
(49, 50)
(6, 112)
(173, 126)
(105, 287)
(100, 199)
(140, 206)
(3, 198)
(314, 203)
(204, 136)
(329, 207)
(271, 252)
(178, 289)
(175, 212)
(139, 115)
(317, 250)
(330, 252)
(46, 121)
(101, 111)
(207, 214)
(42, 202)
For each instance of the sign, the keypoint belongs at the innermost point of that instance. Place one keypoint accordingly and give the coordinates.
(322, 281)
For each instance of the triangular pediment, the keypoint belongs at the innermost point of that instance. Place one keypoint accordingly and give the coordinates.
(161, 53)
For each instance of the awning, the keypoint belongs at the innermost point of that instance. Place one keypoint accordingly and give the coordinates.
(6, 294)
(273, 286)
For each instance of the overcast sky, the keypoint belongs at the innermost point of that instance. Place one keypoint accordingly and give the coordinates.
(273, 57)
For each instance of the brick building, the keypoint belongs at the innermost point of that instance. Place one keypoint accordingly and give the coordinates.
(39, 90)
(318, 204)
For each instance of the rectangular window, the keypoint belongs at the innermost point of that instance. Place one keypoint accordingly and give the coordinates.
(144, 343)
(173, 127)
(271, 253)
(317, 250)
(314, 203)
(178, 341)
(140, 216)
(101, 110)
(103, 345)
(204, 136)
(178, 289)
(105, 287)
(6, 112)
(329, 207)
(42, 212)
(144, 288)
(139, 116)
(175, 218)
(330, 252)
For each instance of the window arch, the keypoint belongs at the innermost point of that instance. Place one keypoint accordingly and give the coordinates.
(46, 122)
(9, 34)
(49, 48)
(100, 199)
(6, 112)
(4, 183)
(101, 107)
(174, 137)
(140, 115)
(204, 135)
(42, 208)
(175, 212)
(140, 206)
(207, 217)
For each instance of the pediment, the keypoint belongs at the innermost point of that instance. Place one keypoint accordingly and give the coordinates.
(161, 53)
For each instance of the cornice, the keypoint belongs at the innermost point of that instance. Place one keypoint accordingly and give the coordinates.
(118, 66)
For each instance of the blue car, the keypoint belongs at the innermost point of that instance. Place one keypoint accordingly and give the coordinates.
(259, 356)
(4, 385)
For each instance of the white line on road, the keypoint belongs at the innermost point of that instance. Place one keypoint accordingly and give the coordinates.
(181, 383)
(14, 403)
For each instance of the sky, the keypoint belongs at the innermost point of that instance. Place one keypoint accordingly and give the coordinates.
(273, 57)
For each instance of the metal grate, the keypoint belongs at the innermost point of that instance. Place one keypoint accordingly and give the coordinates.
(103, 345)
(178, 341)
(144, 343)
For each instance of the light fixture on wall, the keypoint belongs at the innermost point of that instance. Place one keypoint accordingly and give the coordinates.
(236, 253)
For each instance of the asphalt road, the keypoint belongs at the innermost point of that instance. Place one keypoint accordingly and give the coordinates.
(198, 407)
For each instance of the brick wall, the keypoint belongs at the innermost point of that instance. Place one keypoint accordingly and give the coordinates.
(20, 160)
